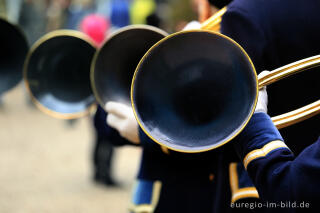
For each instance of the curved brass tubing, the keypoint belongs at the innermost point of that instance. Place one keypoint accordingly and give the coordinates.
(289, 118)
(295, 116)
(289, 69)
(303, 113)
(213, 23)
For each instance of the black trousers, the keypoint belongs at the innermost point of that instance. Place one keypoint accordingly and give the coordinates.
(102, 159)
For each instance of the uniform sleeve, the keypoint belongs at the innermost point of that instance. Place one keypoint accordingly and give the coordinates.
(105, 132)
(276, 173)
(243, 26)
(148, 144)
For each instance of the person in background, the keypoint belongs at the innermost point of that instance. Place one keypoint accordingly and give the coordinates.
(97, 28)
(57, 14)
(13, 8)
(33, 22)
(180, 14)
(119, 13)
(203, 8)
(140, 10)
(103, 7)
(103, 151)
(32, 19)
(76, 11)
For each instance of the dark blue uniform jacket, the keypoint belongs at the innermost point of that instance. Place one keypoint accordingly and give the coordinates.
(275, 33)
(105, 132)
(169, 181)
(291, 182)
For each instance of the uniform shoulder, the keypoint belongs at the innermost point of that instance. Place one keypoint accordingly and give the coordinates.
(247, 6)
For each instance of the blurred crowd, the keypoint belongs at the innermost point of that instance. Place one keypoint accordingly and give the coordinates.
(37, 17)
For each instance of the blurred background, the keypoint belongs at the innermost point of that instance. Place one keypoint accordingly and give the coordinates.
(46, 164)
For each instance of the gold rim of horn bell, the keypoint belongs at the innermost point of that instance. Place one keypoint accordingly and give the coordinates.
(280, 121)
(48, 36)
(212, 147)
(97, 53)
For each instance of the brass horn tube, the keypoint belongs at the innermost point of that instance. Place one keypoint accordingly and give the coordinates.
(289, 118)
(213, 23)
(303, 113)
(298, 115)
(289, 69)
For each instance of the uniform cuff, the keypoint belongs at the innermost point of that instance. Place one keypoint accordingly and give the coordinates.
(258, 138)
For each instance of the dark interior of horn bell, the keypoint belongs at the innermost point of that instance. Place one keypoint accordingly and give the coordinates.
(58, 74)
(194, 91)
(117, 60)
(14, 48)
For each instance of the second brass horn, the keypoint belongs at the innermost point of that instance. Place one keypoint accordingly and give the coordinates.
(114, 63)
(195, 91)
(57, 74)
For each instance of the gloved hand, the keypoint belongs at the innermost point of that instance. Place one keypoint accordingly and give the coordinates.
(262, 104)
(193, 25)
(121, 118)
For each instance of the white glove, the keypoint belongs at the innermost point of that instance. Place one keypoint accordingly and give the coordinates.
(121, 117)
(193, 25)
(262, 104)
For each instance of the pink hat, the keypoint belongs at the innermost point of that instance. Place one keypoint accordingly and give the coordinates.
(95, 26)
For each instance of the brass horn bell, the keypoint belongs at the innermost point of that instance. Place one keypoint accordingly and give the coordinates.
(114, 63)
(14, 48)
(196, 90)
(57, 73)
